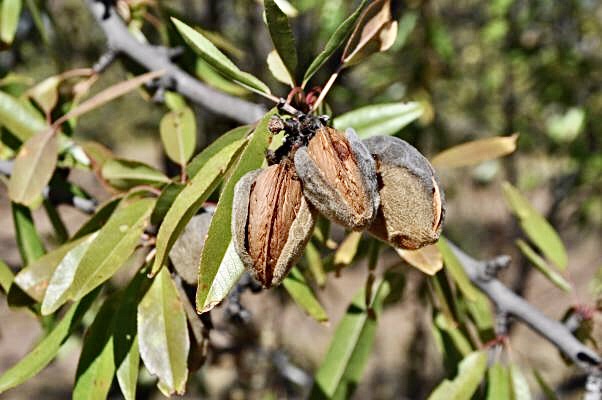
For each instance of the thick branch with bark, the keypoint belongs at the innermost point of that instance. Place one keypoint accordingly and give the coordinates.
(508, 302)
(156, 58)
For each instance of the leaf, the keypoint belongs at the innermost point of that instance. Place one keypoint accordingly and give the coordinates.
(46, 93)
(282, 36)
(216, 80)
(178, 134)
(374, 31)
(99, 219)
(456, 270)
(163, 334)
(28, 240)
(93, 264)
(21, 121)
(277, 68)
(470, 373)
(9, 14)
(545, 388)
(45, 351)
(165, 201)
(482, 316)
(427, 259)
(520, 387)
(191, 199)
(35, 277)
(219, 235)
(350, 348)
(56, 290)
(498, 386)
(347, 250)
(109, 94)
(217, 59)
(96, 365)
(6, 277)
(33, 167)
(475, 152)
(215, 147)
(335, 41)
(186, 251)
(314, 263)
(228, 273)
(303, 295)
(543, 267)
(379, 119)
(125, 174)
(541, 233)
(459, 341)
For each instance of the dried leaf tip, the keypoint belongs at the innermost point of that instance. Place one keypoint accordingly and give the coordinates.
(412, 206)
(271, 221)
(339, 177)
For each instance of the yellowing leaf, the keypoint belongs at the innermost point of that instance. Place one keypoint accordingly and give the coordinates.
(347, 250)
(427, 259)
(475, 152)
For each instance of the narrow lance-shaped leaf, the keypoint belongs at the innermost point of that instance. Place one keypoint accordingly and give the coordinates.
(9, 19)
(228, 274)
(541, 233)
(475, 152)
(125, 174)
(46, 93)
(427, 259)
(215, 79)
(543, 267)
(178, 134)
(314, 264)
(297, 287)
(203, 47)
(470, 374)
(347, 250)
(163, 334)
(456, 270)
(379, 119)
(33, 167)
(520, 387)
(278, 70)
(335, 41)
(28, 240)
(498, 382)
(6, 277)
(22, 121)
(282, 36)
(45, 351)
(191, 199)
(350, 348)
(219, 234)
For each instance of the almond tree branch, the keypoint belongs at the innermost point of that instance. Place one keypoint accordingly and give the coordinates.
(480, 273)
(155, 58)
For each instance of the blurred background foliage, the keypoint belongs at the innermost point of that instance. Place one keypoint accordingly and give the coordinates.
(479, 69)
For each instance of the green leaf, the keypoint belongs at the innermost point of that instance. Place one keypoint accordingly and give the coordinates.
(45, 351)
(125, 174)
(35, 277)
(215, 147)
(541, 233)
(165, 201)
(482, 316)
(9, 19)
(303, 295)
(470, 374)
(228, 273)
(6, 277)
(203, 47)
(219, 235)
(109, 249)
(498, 385)
(37, 19)
(476, 152)
(347, 250)
(350, 347)
(456, 270)
(282, 36)
(21, 121)
(543, 267)
(96, 365)
(314, 263)
(178, 133)
(545, 388)
(99, 219)
(213, 78)
(520, 387)
(33, 167)
(28, 240)
(379, 119)
(191, 199)
(278, 70)
(335, 41)
(163, 334)
(456, 336)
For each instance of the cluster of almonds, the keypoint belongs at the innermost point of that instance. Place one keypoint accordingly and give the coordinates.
(381, 184)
